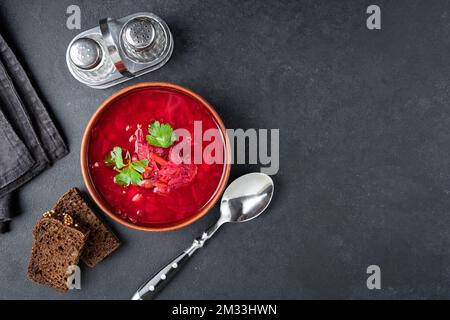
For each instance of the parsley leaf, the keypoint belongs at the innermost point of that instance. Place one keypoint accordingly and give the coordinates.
(128, 176)
(161, 135)
(139, 165)
(114, 158)
(122, 179)
(129, 173)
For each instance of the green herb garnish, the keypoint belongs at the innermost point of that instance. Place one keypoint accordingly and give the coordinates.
(161, 135)
(128, 176)
(114, 158)
(129, 173)
(140, 165)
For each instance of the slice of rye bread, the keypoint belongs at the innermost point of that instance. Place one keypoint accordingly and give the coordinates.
(58, 243)
(102, 241)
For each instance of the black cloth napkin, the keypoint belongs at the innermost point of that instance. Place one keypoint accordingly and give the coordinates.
(29, 140)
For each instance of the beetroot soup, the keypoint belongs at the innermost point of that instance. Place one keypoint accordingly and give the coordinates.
(131, 157)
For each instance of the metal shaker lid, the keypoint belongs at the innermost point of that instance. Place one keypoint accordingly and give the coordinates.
(85, 53)
(139, 33)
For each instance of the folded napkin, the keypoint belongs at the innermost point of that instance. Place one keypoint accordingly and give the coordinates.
(29, 140)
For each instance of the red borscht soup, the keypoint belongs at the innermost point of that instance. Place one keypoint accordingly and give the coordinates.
(130, 157)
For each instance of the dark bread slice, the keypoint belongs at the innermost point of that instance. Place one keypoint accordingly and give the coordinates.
(58, 243)
(102, 241)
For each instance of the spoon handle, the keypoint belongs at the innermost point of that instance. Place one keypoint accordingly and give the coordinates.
(151, 288)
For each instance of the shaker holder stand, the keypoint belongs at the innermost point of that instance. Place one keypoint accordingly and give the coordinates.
(110, 30)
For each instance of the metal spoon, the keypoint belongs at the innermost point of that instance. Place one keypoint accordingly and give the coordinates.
(244, 199)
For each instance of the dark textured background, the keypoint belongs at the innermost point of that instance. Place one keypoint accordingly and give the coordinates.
(364, 122)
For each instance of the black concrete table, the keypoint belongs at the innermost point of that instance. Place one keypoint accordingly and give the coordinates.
(364, 119)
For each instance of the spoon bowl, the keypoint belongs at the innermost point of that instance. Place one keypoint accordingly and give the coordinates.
(246, 198)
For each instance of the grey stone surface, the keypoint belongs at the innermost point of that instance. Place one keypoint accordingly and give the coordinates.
(365, 146)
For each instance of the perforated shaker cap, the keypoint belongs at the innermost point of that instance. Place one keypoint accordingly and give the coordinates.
(85, 53)
(139, 33)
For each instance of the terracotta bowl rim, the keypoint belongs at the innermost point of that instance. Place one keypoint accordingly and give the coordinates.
(98, 199)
